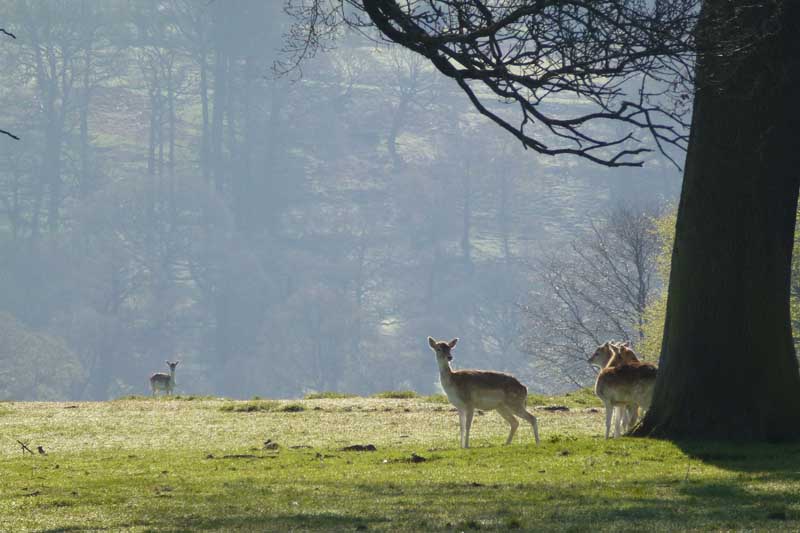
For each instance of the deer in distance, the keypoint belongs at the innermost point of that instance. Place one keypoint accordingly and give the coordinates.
(468, 390)
(162, 381)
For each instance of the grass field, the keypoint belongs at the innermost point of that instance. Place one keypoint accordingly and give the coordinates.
(201, 464)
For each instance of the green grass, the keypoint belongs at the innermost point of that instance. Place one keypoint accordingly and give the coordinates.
(396, 394)
(581, 398)
(251, 406)
(172, 465)
(328, 396)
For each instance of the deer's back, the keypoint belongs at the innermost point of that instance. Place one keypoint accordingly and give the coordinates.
(485, 389)
(630, 383)
(160, 378)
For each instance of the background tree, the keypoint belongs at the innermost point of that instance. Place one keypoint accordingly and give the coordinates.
(727, 322)
(598, 289)
(273, 245)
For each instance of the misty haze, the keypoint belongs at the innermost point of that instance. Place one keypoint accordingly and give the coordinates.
(399, 265)
(171, 198)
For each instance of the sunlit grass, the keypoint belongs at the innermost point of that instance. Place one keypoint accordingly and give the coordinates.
(328, 396)
(177, 465)
(396, 394)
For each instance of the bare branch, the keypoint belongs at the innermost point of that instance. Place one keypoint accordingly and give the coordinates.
(9, 134)
(618, 62)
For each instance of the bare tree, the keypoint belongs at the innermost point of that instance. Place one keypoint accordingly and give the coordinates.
(596, 291)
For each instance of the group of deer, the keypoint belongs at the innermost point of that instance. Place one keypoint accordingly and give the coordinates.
(624, 384)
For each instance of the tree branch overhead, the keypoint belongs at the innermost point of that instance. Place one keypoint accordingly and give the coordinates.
(584, 77)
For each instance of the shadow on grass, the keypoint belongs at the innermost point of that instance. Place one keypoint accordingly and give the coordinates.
(565, 505)
(536, 506)
(747, 457)
(760, 494)
(323, 521)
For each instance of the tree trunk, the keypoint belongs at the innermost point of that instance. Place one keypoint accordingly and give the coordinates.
(728, 368)
(217, 118)
(205, 141)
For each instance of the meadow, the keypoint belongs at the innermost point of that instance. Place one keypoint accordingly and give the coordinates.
(208, 464)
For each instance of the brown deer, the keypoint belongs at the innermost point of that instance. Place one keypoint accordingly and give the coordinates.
(627, 383)
(468, 390)
(165, 382)
(600, 358)
(603, 354)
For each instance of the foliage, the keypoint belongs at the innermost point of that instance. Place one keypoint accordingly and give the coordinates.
(145, 466)
(655, 314)
(35, 365)
(595, 290)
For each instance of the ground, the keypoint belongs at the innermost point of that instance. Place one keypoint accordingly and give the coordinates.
(192, 464)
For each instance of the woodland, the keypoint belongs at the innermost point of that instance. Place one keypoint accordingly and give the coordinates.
(172, 197)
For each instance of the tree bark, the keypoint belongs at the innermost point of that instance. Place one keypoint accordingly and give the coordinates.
(728, 368)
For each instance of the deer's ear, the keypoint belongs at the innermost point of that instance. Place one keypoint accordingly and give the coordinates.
(452, 343)
(432, 342)
(166, 362)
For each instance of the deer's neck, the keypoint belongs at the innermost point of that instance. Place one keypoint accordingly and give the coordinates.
(445, 371)
(172, 375)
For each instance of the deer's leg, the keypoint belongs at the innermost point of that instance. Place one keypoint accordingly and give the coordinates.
(521, 412)
(508, 415)
(621, 412)
(470, 412)
(461, 418)
(624, 414)
(633, 416)
(609, 414)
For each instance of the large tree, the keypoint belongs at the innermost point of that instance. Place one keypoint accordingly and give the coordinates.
(728, 368)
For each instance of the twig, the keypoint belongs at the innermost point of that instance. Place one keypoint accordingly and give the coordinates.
(24, 447)
(8, 132)
(3, 31)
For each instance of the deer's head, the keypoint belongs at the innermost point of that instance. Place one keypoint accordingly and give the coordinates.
(442, 349)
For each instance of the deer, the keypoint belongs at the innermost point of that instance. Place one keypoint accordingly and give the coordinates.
(487, 390)
(603, 354)
(625, 382)
(600, 358)
(165, 382)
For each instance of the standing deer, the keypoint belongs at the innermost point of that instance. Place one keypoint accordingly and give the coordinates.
(468, 390)
(165, 382)
(628, 385)
(601, 358)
